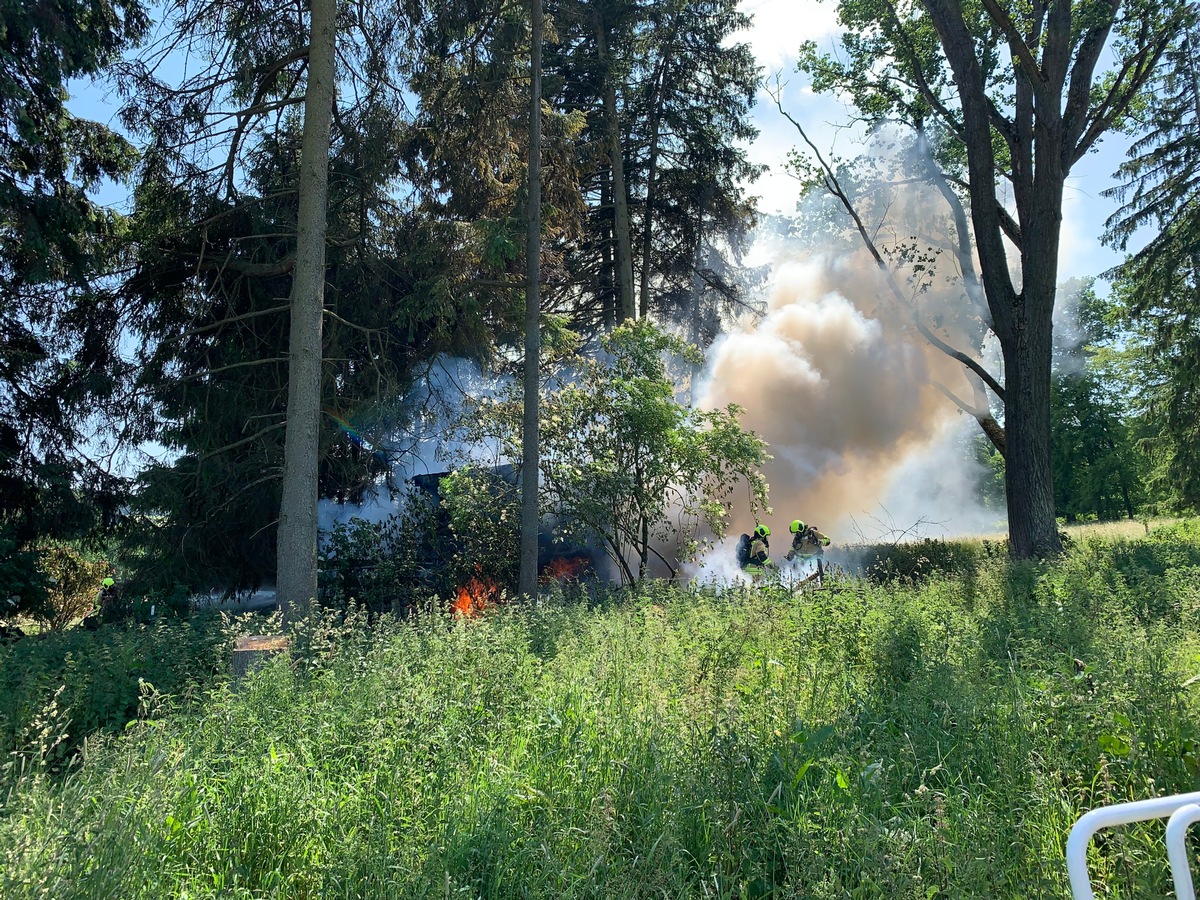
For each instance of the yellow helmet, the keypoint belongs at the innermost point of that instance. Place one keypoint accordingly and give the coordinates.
(797, 526)
(762, 531)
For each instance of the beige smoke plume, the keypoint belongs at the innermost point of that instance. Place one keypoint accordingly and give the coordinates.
(840, 385)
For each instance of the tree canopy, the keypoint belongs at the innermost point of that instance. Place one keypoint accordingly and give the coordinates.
(609, 140)
(1011, 97)
(624, 463)
(63, 378)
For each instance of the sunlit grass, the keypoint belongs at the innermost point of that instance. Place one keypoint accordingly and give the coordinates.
(903, 739)
(1127, 529)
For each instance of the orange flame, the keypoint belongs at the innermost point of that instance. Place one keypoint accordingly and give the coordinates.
(566, 568)
(474, 597)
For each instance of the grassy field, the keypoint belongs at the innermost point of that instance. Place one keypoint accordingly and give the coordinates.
(900, 737)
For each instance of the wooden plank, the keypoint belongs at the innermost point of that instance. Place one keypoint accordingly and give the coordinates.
(251, 651)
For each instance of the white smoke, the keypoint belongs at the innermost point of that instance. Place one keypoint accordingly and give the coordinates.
(850, 397)
(834, 376)
(419, 437)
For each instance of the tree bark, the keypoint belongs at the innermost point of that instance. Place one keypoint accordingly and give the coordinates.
(627, 302)
(527, 578)
(606, 283)
(651, 193)
(1022, 319)
(296, 570)
(1028, 482)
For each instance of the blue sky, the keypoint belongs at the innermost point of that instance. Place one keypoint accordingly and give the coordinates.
(778, 30)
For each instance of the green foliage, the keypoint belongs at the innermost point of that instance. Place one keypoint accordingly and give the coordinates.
(420, 258)
(1097, 472)
(59, 688)
(51, 584)
(432, 546)
(386, 566)
(1159, 355)
(73, 584)
(683, 85)
(61, 373)
(859, 741)
(965, 82)
(991, 473)
(921, 560)
(483, 512)
(1158, 180)
(22, 582)
(624, 462)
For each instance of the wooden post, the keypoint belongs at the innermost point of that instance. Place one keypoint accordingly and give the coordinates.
(253, 650)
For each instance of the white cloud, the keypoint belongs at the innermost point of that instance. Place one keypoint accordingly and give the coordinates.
(780, 26)
(1081, 253)
(777, 30)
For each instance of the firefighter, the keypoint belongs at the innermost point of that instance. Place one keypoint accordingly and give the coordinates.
(808, 544)
(807, 541)
(760, 551)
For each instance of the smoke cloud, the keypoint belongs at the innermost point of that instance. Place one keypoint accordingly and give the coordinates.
(835, 377)
(839, 382)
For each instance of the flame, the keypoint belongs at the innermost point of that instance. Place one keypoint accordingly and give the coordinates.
(475, 596)
(566, 568)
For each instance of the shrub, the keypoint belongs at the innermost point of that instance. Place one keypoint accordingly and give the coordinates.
(73, 585)
(919, 560)
(22, 582)
(87, 681)
(385, 566)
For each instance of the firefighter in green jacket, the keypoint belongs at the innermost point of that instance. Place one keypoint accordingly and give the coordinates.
(760, 551)
(807, 541)
(808, 544)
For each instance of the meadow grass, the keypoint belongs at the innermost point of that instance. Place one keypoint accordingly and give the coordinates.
(903, 739)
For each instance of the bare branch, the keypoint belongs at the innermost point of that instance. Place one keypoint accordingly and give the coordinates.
(240, 365)
(212, 326)
(246, 440)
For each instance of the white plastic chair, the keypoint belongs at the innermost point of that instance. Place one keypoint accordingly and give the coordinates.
(1180, 810)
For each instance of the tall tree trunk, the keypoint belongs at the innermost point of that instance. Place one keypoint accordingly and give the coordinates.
(527, 580)
(627, 302)
(1028, 481)
(696, 310)
(1028, 462)
(1022, 320)
(647, 226)
(651, 192)
(607, 284)
(296, 569)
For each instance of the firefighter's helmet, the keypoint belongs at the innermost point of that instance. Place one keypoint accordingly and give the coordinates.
(797, 526)
(761, 531)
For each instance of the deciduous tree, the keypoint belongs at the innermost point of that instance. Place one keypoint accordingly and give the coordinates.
(1018, 99)
(624, 463)
(1159, 285)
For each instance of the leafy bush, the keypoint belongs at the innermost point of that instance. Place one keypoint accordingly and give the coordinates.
(386, 566)
(77, 682)
(73, 584)
(53, 584)
(485, 516)
(624, 462)
(918, 560)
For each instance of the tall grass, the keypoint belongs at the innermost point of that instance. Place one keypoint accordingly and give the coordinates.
(865, 740)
